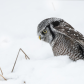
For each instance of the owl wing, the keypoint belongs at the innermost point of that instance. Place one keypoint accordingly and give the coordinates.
(70, 32)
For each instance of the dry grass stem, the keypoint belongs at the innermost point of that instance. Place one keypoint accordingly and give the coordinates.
(3, 77)
(1, 71)
(2, 74)
(26, 57)
(53, 6)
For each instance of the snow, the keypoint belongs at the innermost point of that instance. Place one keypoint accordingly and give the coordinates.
(18, 29)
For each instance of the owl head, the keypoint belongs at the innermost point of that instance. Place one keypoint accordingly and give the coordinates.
(48, 28)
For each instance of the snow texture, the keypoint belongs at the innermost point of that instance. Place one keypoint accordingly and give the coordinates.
(18, 29)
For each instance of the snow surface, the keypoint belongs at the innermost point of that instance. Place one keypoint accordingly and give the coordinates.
(18, 29)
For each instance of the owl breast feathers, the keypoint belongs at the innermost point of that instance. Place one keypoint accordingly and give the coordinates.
(62, 37)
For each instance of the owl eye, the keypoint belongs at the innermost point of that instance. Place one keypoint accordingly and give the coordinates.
(44, 31)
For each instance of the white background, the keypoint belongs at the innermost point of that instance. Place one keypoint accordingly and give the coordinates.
(18, 29)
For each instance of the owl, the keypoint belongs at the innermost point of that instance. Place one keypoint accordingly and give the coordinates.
(62, 37)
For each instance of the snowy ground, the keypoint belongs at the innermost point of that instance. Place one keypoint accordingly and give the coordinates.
(18, 29)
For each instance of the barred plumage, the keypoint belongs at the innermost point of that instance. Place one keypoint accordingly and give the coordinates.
(62, 37)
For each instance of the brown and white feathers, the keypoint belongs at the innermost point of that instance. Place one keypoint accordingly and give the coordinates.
(63, 38)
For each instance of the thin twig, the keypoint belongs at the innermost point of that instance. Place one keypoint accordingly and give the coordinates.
(53, 6)
(3, 77)
(2, 74)
(25, 54)
(1, 71)
(17, 57)
(15, 60)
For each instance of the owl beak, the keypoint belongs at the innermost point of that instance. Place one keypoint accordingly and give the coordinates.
(40, 37)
